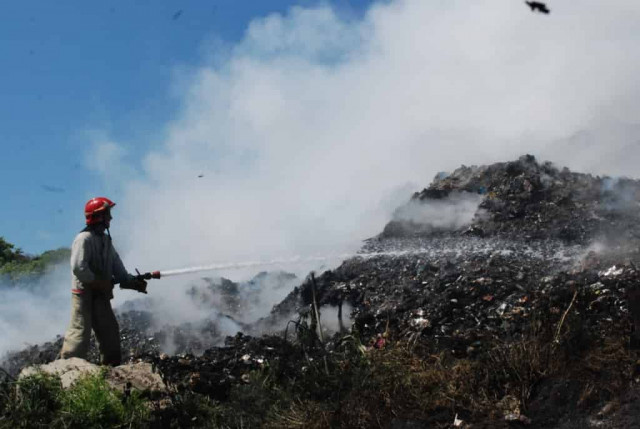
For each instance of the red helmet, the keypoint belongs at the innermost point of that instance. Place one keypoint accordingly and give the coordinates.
(94, 209)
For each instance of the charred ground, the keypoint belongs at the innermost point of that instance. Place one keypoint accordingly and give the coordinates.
(518, 314)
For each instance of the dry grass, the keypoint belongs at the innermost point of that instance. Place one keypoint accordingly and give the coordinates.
(517, 367)
(394, 383)
(300, 414)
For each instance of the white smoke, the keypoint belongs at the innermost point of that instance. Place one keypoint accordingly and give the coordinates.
(33, 313)
(331, 323)
(304, 131)
(451, 213)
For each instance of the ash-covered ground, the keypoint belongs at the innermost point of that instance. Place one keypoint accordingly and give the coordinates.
(483, 256)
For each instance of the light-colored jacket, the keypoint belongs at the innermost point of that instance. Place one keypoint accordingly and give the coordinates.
(93, 257)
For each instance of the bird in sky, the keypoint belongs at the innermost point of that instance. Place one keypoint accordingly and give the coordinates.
(177, 14)
(200, 175)
(54, 189)
(538, 6)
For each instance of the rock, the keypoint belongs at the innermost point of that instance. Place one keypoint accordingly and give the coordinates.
(140, 376)
(69, 370)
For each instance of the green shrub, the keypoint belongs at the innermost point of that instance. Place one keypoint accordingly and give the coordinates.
(38, 401)
(9, 252)
(17, 267)
(32, 403)
(92, 403)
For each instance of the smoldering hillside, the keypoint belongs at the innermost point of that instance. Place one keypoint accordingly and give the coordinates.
(531, 295)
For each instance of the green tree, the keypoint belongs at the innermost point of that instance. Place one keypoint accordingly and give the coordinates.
(15, 266)
(9, 252)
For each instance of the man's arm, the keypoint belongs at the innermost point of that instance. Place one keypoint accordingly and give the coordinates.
(120, 273)
(126, 280)
(80, 255)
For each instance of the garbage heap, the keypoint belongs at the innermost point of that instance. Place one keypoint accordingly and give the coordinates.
(500, 295)
(548, 257)
(520, 269)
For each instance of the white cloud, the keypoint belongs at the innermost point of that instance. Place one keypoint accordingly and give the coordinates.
(104, 157)
(110, 160)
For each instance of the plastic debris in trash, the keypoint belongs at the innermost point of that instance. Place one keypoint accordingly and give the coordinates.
(420, 322)
(518, 418)
(380, 342)
(501, 309)
(611, 272)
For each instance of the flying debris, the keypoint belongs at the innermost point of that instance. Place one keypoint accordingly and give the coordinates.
(53, 189)
(538, 6)
(177, 15)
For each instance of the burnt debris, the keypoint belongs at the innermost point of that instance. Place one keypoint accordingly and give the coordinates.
(535, 250)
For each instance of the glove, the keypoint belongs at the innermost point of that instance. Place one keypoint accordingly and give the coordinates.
(135, 284)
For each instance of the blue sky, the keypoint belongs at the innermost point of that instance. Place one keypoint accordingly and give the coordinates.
(71, 69)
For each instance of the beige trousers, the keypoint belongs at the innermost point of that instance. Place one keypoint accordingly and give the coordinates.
(92, 310)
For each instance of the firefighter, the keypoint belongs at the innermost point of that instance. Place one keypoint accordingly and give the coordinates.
(95, 268)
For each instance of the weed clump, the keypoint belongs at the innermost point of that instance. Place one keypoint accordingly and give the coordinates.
(39, 401)
(31, 402)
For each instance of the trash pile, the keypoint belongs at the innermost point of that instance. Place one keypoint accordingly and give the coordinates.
(525, 200)
(538, 232)
(534, 248)
(462, 300)
(214, 372)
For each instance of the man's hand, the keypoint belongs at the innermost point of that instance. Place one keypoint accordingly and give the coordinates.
(140, 285)
(101, 285)
(135, 284)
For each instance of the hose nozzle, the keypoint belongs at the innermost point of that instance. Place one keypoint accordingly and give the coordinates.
(148, 276)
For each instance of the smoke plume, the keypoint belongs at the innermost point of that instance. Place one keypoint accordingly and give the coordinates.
(34, 313)
(297, 139)
(306, 127)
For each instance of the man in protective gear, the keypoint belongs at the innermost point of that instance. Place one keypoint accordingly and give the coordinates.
(95, 268)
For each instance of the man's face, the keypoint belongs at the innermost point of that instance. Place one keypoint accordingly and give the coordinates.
(107, 218)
